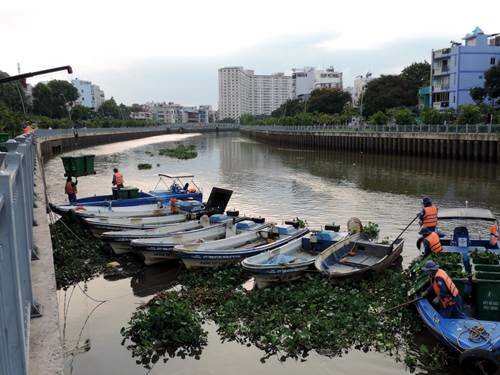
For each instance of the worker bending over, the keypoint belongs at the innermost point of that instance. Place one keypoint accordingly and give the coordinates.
(446, 294)
(432, 242)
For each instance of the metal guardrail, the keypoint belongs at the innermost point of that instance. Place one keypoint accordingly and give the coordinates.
(70, 132)
(366, 128)
(16, 246)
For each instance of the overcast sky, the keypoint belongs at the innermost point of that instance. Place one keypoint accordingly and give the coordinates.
(170, 50)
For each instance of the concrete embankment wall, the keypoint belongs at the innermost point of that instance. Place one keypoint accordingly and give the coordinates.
(54, 145)
(484, 147)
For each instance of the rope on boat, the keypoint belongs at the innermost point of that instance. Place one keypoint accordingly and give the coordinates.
(477, 334)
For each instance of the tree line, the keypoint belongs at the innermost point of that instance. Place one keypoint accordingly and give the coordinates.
(54, 104)
(387, 99)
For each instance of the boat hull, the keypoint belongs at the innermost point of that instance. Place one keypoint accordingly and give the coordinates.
(208, 258)
(120, 248)
(264, 278)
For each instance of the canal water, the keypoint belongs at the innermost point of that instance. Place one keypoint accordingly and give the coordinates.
(278, 184)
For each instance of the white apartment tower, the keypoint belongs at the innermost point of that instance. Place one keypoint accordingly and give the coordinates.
(242, 91)
(308, 79)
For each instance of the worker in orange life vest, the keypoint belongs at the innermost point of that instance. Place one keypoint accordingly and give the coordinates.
(432, 242)
(117, 178)
(70, 189)
(429, 214)
(494, 236)
(447, 296)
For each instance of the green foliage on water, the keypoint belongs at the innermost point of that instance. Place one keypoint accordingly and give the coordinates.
(372, 230)
(180, 152)
(290, 320)
(144, 166)
(166, 326)
(78, 256)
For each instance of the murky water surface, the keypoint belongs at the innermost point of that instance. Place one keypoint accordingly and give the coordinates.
(278, 184)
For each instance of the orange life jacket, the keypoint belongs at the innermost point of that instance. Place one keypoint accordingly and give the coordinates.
(118, 178)
(452, 289)
(173, 205)
(27, 129)
(494, 235)
(434, 242)
(70, 188)
(430, 217)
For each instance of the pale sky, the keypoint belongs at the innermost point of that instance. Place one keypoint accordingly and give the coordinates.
(139, 51)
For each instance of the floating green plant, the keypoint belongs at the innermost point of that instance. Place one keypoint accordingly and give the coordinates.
(180, 152)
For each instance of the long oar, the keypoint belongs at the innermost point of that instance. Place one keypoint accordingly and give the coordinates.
(404, 230)
(400, 305)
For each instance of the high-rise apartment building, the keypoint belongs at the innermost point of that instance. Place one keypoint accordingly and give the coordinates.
(91, 96)
(305, 80)
(458, 68)
(242, 91)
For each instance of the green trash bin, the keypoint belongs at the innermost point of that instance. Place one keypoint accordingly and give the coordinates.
(76, 166)
(487, 295)
(89, 164)
(133, 193)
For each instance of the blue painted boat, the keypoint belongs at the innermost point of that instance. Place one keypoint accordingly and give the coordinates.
(292, 260)
(252, 239)
(177, 188)
(477, 341)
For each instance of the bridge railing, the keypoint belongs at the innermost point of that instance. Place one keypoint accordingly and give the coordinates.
(367, 128)
(16, 246)
(71, 132)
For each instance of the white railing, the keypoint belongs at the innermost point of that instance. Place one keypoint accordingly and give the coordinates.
(16, 246)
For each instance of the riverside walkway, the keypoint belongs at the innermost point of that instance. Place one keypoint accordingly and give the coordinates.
(465, 142)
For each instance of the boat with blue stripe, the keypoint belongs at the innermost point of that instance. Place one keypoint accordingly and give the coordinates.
(178, 188)
(253, 238)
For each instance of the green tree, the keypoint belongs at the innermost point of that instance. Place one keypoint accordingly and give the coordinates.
(469, 114)
(247, 119)
(328, 101)
(431, 116)
(51, 99)
(402, 116)
(110, 109)
(12, 94)
(388, 91)
(289, 108)
(378, 118)
(492, 82)
(478, 94)
(79, 112)
(417, 74)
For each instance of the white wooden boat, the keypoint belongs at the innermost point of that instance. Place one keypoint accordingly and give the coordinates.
(99, 225)
(120, 240)
(155, 250)
(357, 256)
(252, 239)
(290, 261)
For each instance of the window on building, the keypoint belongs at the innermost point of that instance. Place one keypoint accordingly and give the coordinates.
(492, 61)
